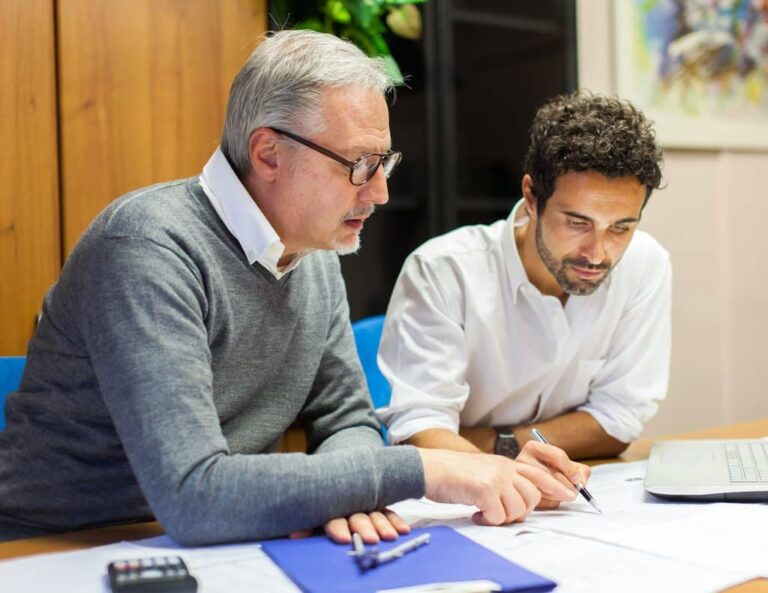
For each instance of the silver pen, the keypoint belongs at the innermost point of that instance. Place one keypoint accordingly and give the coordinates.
(371, 557)
(582, 490)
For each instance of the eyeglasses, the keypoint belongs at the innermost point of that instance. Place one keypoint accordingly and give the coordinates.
(361, 170)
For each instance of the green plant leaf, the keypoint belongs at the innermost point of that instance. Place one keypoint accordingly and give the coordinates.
(313, 24)
(336, 10)
(405, 21)
(365, 12)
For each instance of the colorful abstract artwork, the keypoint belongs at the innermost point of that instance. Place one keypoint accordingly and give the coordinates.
(699, 68)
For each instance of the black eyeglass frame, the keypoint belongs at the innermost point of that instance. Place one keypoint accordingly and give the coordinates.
(351, 165)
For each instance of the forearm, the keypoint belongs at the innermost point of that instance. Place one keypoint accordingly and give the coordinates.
(577, 433)
(249, 497)
(441, 438)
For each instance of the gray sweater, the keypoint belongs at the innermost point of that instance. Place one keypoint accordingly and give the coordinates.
(165, 370)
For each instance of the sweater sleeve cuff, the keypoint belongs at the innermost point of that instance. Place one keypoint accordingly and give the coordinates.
(402, 474)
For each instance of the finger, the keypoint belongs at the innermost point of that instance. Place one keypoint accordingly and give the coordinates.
(400, 524)
(529, 459)
(300, 534)
(547, 504)
(549, 485)
(515, 505)
(361, 523)
(556, 459)
(529, 493)
(492, 510)
(338, 530)
(564, 481)
(581, 474)
(382, 525)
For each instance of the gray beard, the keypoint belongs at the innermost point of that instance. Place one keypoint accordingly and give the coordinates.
(346, 249)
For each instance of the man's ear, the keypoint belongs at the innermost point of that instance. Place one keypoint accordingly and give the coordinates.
(530, 199)
(263, 149)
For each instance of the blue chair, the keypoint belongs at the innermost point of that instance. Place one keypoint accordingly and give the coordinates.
(11, 369)
(367, 337)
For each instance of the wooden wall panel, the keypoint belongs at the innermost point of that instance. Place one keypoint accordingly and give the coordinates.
(143, 86)
(29, 200)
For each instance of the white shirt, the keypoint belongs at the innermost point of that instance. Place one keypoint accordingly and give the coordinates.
(469, 341)
(244, 219)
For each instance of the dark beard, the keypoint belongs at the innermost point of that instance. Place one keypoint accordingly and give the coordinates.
(578, 287)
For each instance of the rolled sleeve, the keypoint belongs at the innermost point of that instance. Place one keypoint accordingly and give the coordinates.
(625, 393)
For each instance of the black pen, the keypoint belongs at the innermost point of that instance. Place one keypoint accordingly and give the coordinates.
(583, 491)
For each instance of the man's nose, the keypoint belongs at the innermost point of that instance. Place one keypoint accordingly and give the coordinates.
(376, 190)
(594, 249)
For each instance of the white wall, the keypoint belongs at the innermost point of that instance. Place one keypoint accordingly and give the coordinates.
(713, 219)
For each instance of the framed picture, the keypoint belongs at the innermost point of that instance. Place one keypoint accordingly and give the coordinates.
(697, 68)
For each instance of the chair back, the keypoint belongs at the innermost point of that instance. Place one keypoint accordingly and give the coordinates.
(367, 337)
(11, 369)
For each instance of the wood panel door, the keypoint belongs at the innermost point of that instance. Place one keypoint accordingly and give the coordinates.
(29, 194)
(144, 85)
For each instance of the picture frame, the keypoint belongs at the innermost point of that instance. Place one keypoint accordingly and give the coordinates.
(697, 68)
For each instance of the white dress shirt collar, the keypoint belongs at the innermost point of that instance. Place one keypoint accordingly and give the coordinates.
(515, 270)
(242, 216)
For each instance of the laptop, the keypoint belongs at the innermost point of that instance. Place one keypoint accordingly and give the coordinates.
(734, 470)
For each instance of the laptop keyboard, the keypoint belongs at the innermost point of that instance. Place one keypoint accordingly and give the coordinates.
(747, 462)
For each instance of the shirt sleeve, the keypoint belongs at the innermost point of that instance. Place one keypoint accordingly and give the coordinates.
(626, 391)
(423, 352)
(146, 332)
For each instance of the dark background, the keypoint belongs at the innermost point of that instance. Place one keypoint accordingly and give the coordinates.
(475, 80)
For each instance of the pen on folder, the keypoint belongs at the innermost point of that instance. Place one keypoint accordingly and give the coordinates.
(371, 558)
(583, 491)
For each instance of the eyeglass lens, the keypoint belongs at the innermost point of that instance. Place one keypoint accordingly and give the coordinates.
(366, 168)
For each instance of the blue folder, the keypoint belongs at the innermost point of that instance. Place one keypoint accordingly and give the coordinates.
(317, 565)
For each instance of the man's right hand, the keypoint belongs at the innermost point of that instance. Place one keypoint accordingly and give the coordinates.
(503, 490)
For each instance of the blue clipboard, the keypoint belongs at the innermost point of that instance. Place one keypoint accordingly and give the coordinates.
(317, 565)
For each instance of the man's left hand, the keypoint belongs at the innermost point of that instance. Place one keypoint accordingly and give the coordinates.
(372, 527)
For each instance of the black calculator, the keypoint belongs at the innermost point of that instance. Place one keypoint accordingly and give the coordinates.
(161, 574)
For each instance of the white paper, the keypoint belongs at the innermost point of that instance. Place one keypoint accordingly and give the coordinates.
(638, 544)
(580, 565)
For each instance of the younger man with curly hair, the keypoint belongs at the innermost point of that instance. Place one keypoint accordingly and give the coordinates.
(558, 316)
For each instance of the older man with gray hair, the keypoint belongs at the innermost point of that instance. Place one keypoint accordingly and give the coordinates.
(197, 320)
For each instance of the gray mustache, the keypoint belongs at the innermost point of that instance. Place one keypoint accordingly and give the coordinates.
(360, 212)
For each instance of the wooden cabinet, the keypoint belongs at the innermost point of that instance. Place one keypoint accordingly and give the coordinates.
(29, 178)
(143, 91)
(141, 96)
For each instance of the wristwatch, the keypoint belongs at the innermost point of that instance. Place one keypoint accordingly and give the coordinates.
(506, 443)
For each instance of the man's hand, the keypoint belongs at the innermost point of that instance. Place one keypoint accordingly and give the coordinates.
(372, 527)
(504, 490)
(555, 461)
